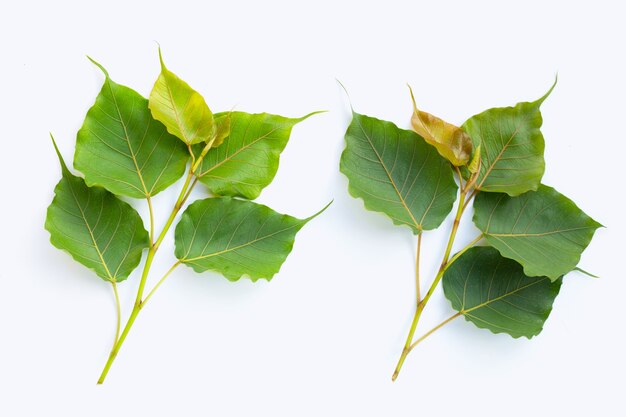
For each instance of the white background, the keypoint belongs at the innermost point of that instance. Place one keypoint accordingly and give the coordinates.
(323, 337)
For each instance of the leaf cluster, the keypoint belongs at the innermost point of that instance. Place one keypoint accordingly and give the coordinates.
(133, 147)
(535, 235)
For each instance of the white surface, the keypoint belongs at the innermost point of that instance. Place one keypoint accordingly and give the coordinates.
(323, 337)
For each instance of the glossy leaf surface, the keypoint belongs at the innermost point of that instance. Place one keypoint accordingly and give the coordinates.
(180, 108)
(512, 147)
(123, 149)
(494, 293)
(95, 227)
(397, 173)
(248, 159)
(235, 238)
(450, 141)
(543, 230)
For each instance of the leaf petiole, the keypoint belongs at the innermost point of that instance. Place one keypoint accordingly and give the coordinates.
(446, 262)
(139, 300)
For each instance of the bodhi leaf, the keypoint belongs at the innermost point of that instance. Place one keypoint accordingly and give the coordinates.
(180, 108)
(396, 173)
(96, 228)
(512, 147)
(248, 160)
(123, 149)
(222, 128)
(543, 230)
(450, 141)
(235, 238)
(493, 293)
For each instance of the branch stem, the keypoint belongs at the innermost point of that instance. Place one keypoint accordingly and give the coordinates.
(445, 263)
(154, 246)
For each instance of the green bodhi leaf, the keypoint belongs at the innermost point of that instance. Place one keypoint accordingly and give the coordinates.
(180, 108)
(494, 293)
(543, 230)
(450, 141)
(397, 173)
(123, 149)
(235, 238)
(96, 228)
(248, 160)
(512, 147)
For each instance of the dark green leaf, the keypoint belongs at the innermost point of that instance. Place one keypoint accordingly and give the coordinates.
(180, 108)
(543, 230)
(493, 293)
(397, 173)
(123, 149)
(99, 230)
(247, 161)
(235, 238)
(511, 147)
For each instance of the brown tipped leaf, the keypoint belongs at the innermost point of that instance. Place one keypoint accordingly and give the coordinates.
(450, 141)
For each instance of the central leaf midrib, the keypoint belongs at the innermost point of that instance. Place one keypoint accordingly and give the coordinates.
(130, 148)
(392, 182)
(237, 247)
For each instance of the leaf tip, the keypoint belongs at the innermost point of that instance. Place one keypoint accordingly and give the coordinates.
(161, 57)
(97, 64)
(540, 101)
(412, 96)
(58, 152)
(319, 212)
(345, 90)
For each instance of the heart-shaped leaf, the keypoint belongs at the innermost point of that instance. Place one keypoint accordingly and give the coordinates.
(512, 147)
(396, 173)
(96, 228)
(123, 149)
(180, 108)
(235, 238)
(248, 160)
(450, 141)
(493, 293)
(543, 230)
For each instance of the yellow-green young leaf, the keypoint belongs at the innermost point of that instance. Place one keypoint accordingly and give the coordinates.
(450, 141)
(474, 164)
(493, 293)
(235, 238)
(543, 230)
(222, 128)
(512, 147)
(180, 108)
(396, 173)
(96, 228)
(123, 149)
(248, 160)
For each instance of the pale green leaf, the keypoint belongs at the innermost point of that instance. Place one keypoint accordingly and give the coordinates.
(123, 149)
(235, 238)
(397, 173)
(96, 228)
(180, 108)
(248, 159)
(493, 293)
(543, 230)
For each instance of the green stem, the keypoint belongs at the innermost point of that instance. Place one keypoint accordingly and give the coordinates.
(139, 302)
(442, 268)
(158, 284)
(433, 330)
(118, 311)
